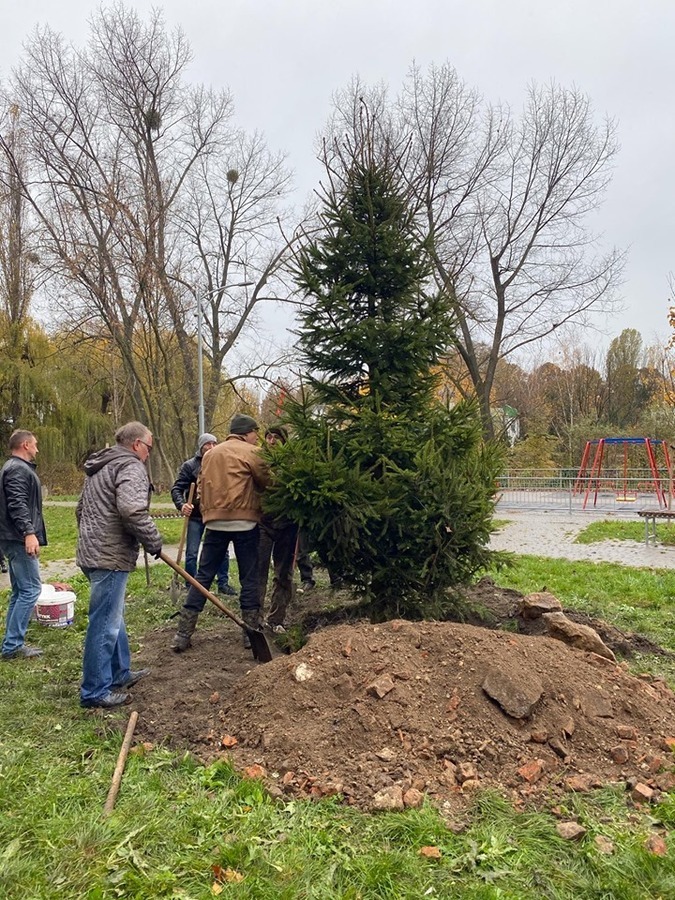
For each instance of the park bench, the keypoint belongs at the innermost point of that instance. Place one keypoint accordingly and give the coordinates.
(650, 516)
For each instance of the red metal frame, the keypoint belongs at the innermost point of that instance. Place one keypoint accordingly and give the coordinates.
(592, 479)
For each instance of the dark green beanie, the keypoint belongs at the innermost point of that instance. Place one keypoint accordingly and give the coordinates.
(242, 424)
(280, 432)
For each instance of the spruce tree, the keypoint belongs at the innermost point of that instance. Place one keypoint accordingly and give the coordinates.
(394, 490)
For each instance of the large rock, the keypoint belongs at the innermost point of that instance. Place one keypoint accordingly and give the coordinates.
(581, 637)
(535, 605)
(517, 697)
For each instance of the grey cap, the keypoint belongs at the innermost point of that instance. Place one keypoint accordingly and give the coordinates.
(206, 439)
(242, 424)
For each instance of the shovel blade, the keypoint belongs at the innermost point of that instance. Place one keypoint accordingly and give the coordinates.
(259, 646)
(173, 588)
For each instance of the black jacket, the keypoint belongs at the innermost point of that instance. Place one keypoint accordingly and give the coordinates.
(21, 502)
(187, 475)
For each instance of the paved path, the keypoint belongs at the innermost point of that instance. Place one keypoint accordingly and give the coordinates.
(552, 534)
(62, 570)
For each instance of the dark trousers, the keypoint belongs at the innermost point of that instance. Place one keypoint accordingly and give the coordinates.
(195, 530)
(215, 548)
(303, 561)
(278, 540)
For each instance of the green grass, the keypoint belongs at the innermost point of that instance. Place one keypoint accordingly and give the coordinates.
(624, 531)
(62, 532)
(175, 819)
(163, 497)
(499, 523)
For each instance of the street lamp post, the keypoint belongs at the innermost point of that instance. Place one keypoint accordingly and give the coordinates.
(200, 364)
(200, 348)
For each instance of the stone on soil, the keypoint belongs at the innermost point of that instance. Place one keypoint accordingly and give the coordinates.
(388, 799)
(413, 798)
(381, 687)
(535, 605)
(581, 637)
(516, 697)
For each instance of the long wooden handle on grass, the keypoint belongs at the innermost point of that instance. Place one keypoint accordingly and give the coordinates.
(183, 535)
(119, 768)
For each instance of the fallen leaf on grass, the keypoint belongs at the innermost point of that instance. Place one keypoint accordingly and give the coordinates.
(233, 876)
(430, 852)
(142, 748)
(216, 888)
(221, 875)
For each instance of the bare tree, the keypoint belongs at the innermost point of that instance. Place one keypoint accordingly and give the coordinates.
(504, 203)
(121, 148)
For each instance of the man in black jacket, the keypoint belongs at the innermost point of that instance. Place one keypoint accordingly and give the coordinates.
(187, 475)
(22, 533)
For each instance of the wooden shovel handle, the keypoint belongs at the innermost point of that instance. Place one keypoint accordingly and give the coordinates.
(183, 535)
(121, 762)
(202, 590)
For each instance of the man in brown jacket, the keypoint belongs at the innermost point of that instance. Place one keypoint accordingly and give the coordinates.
(229, 486)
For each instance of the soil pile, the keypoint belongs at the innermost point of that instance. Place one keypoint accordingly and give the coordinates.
(383, 714)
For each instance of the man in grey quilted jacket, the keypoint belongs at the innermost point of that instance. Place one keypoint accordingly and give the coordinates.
(113, 520)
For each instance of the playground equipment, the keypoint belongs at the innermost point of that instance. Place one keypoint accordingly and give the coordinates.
(591, 479)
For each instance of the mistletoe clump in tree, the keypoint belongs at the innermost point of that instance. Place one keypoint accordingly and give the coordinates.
(394, 489)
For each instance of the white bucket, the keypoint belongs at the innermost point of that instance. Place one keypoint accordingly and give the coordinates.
(55, 608)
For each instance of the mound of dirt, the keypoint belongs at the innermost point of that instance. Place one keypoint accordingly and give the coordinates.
(383, 714)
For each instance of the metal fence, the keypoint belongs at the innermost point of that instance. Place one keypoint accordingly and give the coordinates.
(617, 492)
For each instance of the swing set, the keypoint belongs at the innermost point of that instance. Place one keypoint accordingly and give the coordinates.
(590, 480)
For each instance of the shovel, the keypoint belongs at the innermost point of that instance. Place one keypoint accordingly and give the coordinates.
(174, 578)
(259, 646)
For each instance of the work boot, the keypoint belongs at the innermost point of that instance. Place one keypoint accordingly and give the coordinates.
(134, 678)
(23, 652)
(110, 701)
(186, 627)
(251, 618)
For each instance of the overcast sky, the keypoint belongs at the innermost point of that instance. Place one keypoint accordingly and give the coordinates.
(283, 59)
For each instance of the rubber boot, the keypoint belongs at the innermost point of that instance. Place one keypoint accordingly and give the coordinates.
(251, 618)
(186, 627)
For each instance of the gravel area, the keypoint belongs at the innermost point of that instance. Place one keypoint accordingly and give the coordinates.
(552, 534)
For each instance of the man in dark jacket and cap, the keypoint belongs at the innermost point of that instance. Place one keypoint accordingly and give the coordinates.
(22, 533)
(113, 519)
(278, 542)
(187, 476)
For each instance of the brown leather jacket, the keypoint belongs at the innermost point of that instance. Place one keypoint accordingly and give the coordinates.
(231, 480)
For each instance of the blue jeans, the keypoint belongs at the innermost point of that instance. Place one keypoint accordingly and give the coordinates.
(24, 577)
(195, 530)
(215, 548)
(106, 646)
